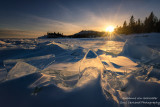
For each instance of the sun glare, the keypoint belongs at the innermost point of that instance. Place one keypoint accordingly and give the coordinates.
(110, 29)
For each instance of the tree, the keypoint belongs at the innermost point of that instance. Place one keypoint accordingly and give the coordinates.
(150, 24)
(125, 28)
(158, 26)
(132, 21)
(138, 26)
(124, 24)
(132, 25)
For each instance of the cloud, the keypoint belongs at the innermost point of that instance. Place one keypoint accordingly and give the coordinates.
(34, 26)
(45, 24)
(101, 19)
(9, 33)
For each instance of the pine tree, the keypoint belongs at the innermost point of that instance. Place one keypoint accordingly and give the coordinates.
(158, 26)
(124, 24)
(150, 24)
(138, 26)
(132, 21)
(132, 25)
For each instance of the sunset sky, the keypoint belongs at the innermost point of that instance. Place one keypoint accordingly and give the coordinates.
(32, 18)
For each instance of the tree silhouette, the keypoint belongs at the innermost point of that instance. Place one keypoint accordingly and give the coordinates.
(132, 25)
(150, 24)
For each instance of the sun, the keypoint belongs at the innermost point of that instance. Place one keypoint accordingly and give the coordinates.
(110, 29)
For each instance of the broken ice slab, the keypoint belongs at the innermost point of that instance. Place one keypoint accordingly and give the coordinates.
(139, 51)
(89, 74)
(90, 54)
(21, 69)
(71, 75)
(60, 74)
(90, 60)
(3, 74)
(40, 61)
(64, 70)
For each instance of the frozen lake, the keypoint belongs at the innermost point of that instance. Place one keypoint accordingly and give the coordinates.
(90, 72)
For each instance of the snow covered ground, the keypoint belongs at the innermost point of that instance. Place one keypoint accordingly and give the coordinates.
(93, 72)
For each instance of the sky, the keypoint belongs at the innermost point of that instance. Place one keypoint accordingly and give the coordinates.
(33, 18)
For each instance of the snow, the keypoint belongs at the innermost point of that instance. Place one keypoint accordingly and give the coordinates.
(94, 72)
(139, 51)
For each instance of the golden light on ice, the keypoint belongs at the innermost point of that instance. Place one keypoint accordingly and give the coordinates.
(110, 29)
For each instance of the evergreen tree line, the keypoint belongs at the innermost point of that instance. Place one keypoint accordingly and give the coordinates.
(150, 24)
(54, 35)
